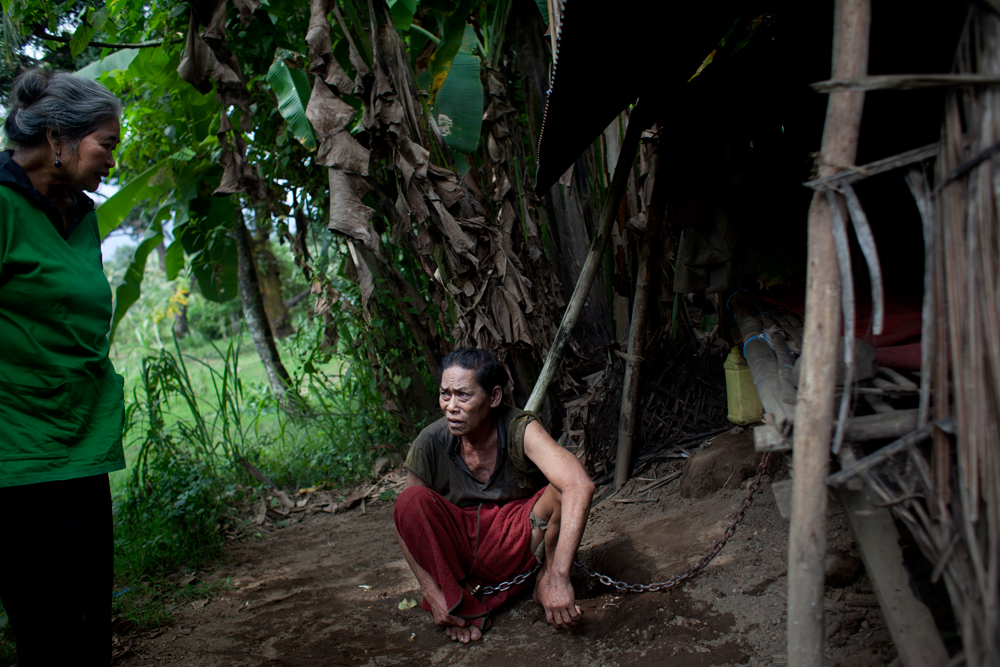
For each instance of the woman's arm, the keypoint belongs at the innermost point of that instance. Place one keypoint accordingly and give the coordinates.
(566, 474)
(413, 480)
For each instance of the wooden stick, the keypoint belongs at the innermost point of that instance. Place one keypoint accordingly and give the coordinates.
(872, 168)
(922, 196)
(890, 450)
(905, 82)
(630, 145)
(866, 239)
(897, 378)
(637, 331)
(814, 408)
(842, 245)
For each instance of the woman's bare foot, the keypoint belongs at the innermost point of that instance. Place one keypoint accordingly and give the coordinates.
(465, 635)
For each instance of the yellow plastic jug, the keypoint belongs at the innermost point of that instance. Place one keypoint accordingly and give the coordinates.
(741, 395)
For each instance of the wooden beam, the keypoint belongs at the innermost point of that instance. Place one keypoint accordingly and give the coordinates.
(910, 624)
(888, 424)
(814, 406)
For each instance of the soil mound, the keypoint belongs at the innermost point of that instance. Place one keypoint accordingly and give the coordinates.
(730, 459)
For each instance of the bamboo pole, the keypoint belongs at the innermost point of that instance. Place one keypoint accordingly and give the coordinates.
(630, 145)
(814, 406)
(637, 332)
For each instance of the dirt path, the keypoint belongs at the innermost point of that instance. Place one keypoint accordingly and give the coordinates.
(326, 591)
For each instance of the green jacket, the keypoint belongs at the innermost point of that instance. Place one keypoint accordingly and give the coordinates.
(61, 402)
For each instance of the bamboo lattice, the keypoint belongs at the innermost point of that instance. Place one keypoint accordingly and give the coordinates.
(950, 496)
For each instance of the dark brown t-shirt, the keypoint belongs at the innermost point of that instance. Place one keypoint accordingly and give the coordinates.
(434, 457)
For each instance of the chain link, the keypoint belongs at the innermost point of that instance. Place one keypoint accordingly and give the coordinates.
(673, 581)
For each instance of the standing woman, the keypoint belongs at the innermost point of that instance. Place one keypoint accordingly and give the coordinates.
(61, 402)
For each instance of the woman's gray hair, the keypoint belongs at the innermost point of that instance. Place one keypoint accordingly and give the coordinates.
(69, 105)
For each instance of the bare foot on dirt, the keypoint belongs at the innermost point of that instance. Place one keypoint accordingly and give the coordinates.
(465, 635)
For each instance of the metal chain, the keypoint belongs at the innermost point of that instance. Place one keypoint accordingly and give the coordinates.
(673, 581)
(516, 581)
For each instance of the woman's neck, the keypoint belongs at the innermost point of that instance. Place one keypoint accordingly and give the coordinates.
(482, 438)
(44, 176)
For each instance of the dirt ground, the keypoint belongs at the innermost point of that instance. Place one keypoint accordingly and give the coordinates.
(327, 591)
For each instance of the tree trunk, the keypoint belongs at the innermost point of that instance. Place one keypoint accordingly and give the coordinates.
(269, 275)
(181, 329)
(253, 311)
(161, 255)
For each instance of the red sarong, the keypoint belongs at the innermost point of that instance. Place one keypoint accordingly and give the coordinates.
(484, 544)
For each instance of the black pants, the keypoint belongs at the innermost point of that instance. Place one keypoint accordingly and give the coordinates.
(56, 569)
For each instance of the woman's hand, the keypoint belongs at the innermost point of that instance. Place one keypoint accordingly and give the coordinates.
(557, 597)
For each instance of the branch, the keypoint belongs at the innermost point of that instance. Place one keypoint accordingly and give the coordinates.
(41, 34)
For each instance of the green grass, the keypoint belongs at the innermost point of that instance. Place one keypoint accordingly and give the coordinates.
(200, 356)
(299, 450)
(196, 412)
(200, 407)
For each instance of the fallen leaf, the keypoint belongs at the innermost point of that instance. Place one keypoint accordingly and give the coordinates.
(351, 500)
(406, 603)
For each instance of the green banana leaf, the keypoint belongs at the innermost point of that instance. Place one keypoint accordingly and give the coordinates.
(212, 252)
(402, 13)
(458, 107)
(119, 60)
(82, 36)
(292, 88)
(111, 213)
(175, 259)
(454, 35)
(130, 290)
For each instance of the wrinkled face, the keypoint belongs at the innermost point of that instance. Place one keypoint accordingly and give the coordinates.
(93, 159)
(465, 404)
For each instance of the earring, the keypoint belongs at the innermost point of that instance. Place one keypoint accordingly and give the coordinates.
(58, 162)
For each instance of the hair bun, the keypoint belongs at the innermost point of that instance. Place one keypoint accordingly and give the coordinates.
(29, 88)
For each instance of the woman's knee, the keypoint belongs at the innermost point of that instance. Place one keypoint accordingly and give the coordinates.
(414, 499)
